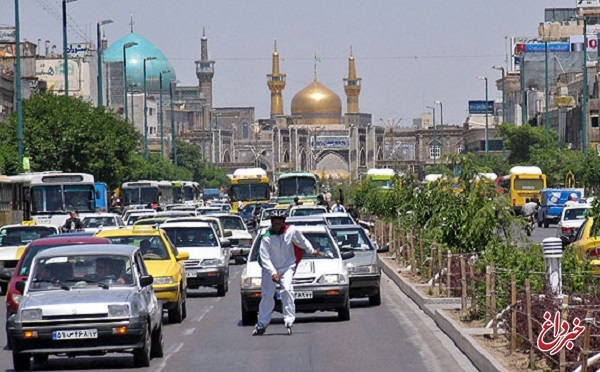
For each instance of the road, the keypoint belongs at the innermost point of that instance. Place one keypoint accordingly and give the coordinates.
(394, 336)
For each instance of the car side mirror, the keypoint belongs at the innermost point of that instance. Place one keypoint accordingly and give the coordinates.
(383, 248)
(146, 280)
(182, 256)
(20, 286)
(347, 255)
(225, 243)
(227, 233)
(240, 260)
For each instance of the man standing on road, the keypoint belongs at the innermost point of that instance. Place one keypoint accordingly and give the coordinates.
(280, 251)
(72, 223)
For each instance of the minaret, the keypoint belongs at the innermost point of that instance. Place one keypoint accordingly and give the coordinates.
(276, 83)
(352, 86)
(205, 70)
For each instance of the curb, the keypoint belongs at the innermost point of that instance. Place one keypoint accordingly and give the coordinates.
(481, 358)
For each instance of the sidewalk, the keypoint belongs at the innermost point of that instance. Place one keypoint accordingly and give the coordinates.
(434, 307)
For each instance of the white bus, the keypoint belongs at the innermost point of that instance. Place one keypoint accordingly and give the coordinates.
(143, 193)
(50, 196)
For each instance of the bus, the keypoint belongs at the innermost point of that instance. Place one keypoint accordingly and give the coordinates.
(249, 185)
(186, 191)
(381, 178)
(143, 193)
(304, 185)
(48, 197)
(11, 202)
(522, 182)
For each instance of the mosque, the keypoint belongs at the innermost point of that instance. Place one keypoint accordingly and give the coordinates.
(316, 136)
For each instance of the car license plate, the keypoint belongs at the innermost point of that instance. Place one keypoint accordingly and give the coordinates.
(190, 274)
(299, 295)
(75, 334)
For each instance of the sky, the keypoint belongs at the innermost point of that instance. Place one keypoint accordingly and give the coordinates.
(409, 54)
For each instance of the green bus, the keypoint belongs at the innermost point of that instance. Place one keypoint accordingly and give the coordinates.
(304, 185)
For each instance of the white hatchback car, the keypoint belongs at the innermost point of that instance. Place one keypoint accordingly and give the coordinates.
(571, 219)
(241, 239)
(321, 283)
(102, 221)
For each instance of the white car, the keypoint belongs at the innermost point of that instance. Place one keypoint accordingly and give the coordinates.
(307, 211)
(571, 219)
(321, 283)
(208, 264)
(102, 221)
(129, 212)
(241, 239)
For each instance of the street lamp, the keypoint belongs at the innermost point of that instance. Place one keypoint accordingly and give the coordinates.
(173, 134)
(146, 110)
(65, 54)
(100, 53)
(497, 67)
(162, 133)
(584, 91)
(125, 46)
(487, 149)
(212, 139)
(441, 127)
(434, 144)
(18, 84)
(131, 86)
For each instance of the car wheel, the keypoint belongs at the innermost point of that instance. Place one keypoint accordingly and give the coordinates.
(40, 358)
(221, 288)
(184, 309)
(141, 356)
(157, 343)
(375, 300)
(21, 362)
(539, 223)
(176, 314)
(344, 312)
(249, 318)
(546, 223)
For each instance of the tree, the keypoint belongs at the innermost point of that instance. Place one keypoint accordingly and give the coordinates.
(68, 134)
(521, 140)
(556, 161)
(189, 156)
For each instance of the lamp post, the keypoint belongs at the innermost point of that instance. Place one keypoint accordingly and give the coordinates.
(203, 136)
(584, 92)
(65, 54)
(497, 67)
(146, 110)
(487, 148)
(212, 139)
(441, 127)
(162, 132)
(434, 144)
(18, 84)
(100, 53)
(125, 46)
(131, 86)
(173, 134)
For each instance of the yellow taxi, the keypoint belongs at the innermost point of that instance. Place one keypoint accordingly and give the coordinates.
(587, 244)
(164, 263)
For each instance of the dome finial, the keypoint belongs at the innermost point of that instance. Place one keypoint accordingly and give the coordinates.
(317, 59)
(351, 54)
(275, 46)
(131, 23)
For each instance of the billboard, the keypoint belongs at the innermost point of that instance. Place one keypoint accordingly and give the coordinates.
(8, 34)
(479, 107)
(588, 3)
(541, 47)
(331, 142)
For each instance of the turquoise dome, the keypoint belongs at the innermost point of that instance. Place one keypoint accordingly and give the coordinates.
(135, 62)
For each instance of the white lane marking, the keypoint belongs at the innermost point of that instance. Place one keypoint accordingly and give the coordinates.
(164, 360)
(189, 331)
(206, 311)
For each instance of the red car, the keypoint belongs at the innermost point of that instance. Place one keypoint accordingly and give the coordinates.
(13, 296)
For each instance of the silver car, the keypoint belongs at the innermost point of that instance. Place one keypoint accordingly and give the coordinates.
(87, 300)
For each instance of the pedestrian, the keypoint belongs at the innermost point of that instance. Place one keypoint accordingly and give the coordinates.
(341, 197)
(296, 202)
(279, 254)
(353, 212)
(321, 201)
(240, 205)
(73, 223)
(327, 195)
(338, 207)
(572, 200)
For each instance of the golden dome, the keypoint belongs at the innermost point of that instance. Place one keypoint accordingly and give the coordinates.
(317, 104)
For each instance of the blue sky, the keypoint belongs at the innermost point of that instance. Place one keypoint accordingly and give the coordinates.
(408, 53)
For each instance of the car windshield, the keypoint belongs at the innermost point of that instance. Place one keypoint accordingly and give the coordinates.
(575, 214)
(352, 239)
(319, 240)
(344, 220)
(232, 223)
(65, 272)
(152, 247)
(135, 217)
(21, 235)
(192, 236)
(306, 223)
(98, 221)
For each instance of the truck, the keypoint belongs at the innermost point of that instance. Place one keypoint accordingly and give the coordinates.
(552, 203)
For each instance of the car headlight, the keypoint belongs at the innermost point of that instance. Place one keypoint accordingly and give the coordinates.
(164, 280)
(331, 279)
(251, 282)
(212, 262)
(364, 269)
(28, 315)
(245, 242)
(118, 310)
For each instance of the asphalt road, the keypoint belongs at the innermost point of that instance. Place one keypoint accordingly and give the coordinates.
(395, 336)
